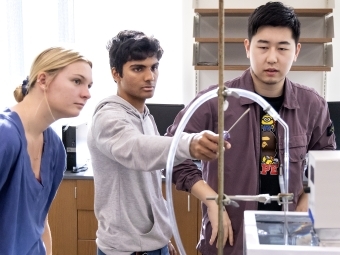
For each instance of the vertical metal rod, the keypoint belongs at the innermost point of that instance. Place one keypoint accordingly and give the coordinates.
(220, 126)
(188, 202)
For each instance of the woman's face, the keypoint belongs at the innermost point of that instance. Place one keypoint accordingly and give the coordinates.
(68, 92)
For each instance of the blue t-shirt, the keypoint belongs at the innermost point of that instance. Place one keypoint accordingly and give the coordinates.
(24, 201)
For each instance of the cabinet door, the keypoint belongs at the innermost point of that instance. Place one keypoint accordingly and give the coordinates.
(62, 218)
(87, 222)
(85, 194)
(186, 209)
(87, 247)
(87, 225)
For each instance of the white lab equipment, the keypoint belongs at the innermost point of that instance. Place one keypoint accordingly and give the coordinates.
(314, 233)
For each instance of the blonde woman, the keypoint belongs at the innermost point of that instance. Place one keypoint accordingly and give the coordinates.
(32, 156)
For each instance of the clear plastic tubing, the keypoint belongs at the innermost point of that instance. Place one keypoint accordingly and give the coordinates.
(182, 124)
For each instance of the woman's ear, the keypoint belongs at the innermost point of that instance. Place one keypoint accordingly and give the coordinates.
(42, 80)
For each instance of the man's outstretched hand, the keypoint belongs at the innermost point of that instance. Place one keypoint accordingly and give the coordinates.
(204, 146)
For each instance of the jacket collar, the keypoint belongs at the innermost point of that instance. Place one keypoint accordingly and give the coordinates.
(290, 101)
(245, 81)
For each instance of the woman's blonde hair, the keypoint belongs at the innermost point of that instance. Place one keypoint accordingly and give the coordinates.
(51, 61)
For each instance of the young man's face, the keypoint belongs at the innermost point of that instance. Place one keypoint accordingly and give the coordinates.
(138, 82)
(271, 52)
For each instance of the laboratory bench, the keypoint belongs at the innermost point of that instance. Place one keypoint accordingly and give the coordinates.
(73, 223)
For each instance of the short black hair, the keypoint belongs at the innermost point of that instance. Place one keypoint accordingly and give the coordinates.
(130, 45)
(274, 14)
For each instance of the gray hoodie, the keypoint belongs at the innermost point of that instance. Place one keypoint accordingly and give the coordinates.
(127, 153)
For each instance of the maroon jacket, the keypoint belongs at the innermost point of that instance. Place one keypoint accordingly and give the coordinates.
(306, 114)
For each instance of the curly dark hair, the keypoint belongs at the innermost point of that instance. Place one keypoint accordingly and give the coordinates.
(130, 45)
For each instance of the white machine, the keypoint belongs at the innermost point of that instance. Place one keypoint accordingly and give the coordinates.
(74, 140)
(324, 203)
(314, 233)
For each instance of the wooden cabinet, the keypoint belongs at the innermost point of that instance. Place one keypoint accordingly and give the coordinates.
(186, 208)
(62, 218)
(73, 223)
(71, 218)
(87, 223)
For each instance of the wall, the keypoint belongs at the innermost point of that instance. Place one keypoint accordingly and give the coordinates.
(98, 21)
(95, 22)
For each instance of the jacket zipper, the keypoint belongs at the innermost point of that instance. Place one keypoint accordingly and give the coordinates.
(258, 117)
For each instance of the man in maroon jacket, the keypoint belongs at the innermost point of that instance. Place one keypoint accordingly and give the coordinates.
(251, 166)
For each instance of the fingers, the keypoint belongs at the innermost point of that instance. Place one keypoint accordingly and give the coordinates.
(227, 230)
(227, 145)
(213, 235)
(213, 218)
(210, 140)
(226, 234)
(227, 226)
(204, 146)
(230, 235)
(172, 250)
